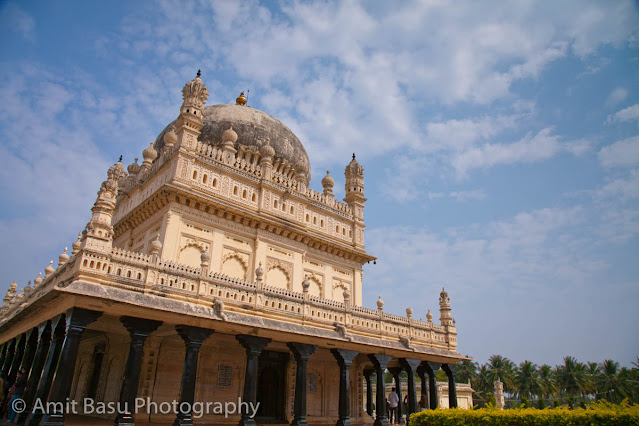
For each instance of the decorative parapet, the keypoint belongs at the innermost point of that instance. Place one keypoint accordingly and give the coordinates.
(138, 272)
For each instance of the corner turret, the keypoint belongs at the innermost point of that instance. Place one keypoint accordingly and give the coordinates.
(189, 123)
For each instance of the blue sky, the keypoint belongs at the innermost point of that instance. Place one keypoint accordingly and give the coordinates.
(500, 142)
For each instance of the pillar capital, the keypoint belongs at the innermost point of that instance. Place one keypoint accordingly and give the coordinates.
(253, 344)
(139, 326)
(193, 336)
(344, 356)
(301, 351)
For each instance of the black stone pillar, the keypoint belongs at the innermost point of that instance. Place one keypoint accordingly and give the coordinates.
(410, 365)
(369, 390)
(30, 349)
(57, 330)
(344, 360)
(395, 371)
(431, 369)
(17, 358)
(421, 372)
(380, 362)
(3, 353)
(451, 372)
(11, 349)
(193, 338)
(77, 320)
(254, 346)
(302, 353)
(44, 340)
(139, 329)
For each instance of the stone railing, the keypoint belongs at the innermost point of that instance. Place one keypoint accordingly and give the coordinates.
(139, 272)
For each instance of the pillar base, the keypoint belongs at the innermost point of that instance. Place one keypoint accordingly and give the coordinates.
(381, 422)
(346, 422)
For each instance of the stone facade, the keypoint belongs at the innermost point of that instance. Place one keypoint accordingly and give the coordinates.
(211, 272)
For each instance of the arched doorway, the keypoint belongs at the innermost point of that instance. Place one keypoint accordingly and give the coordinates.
(271, 387)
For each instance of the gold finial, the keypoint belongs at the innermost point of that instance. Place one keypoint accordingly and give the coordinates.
(241, 100)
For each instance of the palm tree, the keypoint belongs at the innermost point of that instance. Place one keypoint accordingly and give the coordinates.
(527, 380)
(592, 377)
(547, 381)
(501, 368)
(610, 383)
(467, 372)
(571, 378)
(484, 383)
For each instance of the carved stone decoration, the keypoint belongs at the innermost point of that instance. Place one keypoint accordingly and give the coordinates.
(218, 307)
(193, 243)
(341, 330)
(286, 267)
(406, 341)
(243, 259)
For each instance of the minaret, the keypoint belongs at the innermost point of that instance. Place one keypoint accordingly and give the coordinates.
(444, 309)
(354, 188)
(99, 232)
(189, 122)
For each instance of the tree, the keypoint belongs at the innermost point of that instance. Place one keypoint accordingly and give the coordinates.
(484, 383)
(527, 380)
(611, 386)
(467, 371)
(547, 381)
(571, 378)
(501, 368)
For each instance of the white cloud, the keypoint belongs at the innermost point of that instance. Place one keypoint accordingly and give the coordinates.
(17, 20)
(624, 188)
(462, 196)
(623, 153)
(618, 95)
(627, 114)
(530, 149)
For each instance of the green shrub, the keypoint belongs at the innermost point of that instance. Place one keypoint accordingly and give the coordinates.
(600, 413)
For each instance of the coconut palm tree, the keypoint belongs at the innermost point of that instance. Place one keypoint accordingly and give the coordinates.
(484, 383)
(527, 380)
(501, 368)
(467, 371)
(571, 378)
(611, 386)
(547, 380)
(592, 377)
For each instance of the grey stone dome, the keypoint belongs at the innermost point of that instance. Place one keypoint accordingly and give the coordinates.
(253, 128)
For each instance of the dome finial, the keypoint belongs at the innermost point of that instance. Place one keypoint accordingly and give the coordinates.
(241, 100)
(353, 156)
(120, 160)
(199, 73)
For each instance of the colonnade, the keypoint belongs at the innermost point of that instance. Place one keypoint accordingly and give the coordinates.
(48, 354)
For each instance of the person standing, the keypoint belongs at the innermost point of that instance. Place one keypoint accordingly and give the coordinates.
(393, 401)
(17, 391)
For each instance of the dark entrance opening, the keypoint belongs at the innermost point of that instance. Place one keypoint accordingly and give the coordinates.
(98, 357)
(271, 387)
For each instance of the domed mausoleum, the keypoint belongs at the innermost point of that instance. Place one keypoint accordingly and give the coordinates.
(211, 273)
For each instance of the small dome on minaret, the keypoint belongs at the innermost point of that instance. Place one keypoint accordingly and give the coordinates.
(134, 167)
(380, 303)
(170, 138)
(63, 258)
(38, 280)
(267, 150)
(328, 182)
(241, 100)
(149, 154)
(76, 244)
(49, 269)
(229, 135)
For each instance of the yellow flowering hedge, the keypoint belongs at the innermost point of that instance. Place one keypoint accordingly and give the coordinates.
(601, 413)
